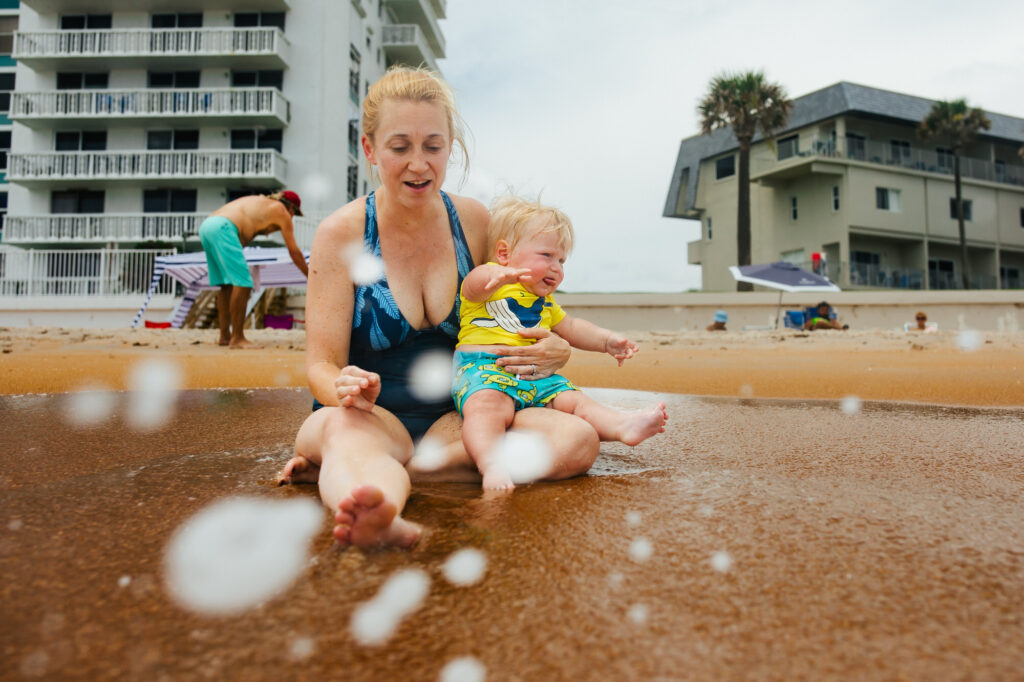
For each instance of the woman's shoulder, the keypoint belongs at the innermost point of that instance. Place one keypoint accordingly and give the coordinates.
(474, 217)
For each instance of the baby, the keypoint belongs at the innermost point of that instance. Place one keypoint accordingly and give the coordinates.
(529, 244)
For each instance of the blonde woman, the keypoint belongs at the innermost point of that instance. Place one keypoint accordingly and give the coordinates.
(361, 340)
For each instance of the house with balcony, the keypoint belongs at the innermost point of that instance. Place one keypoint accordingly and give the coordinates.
(850, 181)
(131, 120)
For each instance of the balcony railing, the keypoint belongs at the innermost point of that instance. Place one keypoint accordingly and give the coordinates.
(208, 43)
(264, 164)
(404, 43)
(423, 14)
(881, 276)
(245, 103)
(100, 272)
(946, 280)
(101, 227)
(911, 158)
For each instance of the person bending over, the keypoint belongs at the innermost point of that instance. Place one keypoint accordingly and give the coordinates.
(223, 235)
(529, 246)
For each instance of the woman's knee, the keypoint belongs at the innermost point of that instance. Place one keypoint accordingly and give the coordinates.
(578, 446)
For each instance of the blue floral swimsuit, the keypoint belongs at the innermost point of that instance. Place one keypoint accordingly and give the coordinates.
(384, 342)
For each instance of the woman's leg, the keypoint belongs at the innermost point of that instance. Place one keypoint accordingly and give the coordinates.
(574, 444)
(362, 476)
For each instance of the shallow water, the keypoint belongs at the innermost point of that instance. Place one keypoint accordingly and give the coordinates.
(886, 544)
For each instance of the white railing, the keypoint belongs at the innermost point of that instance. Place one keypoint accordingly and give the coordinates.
(407, 38)
(264, 163)
(911, 158)
(886, 277)
(151, 42)
(149, 103)
(99, 272)
(101, 227)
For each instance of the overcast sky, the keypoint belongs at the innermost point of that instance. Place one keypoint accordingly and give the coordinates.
(587, 100)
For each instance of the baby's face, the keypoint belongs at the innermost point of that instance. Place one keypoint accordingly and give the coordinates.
(543, 256)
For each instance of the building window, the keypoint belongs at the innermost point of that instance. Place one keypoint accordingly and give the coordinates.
(256, 139)
(942, 274)
(80, 140)
(5, 147)
(172, 139)
(944, 159)
(792, 208)
(353, 182)
(1009, 277)
(258, 19)
(6, 87)
(968, 206)
(172, 79)
(899, 152)
(169, 201)
(83, 81)
(856, 146)
(353, 74)
(3, 209)
(725, 166)
(378, 55)
(178, 20)
(8, 25)
(248, 192)
(76, 201)
(887, 199)
(1000, 170)
(794, 257)
(1022, 217)
(789, 146)
(257, 79)
(80, 22)
(709, 229)
(835, 197)
(353, 138)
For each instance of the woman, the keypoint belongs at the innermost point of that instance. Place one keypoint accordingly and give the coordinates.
(362, 339)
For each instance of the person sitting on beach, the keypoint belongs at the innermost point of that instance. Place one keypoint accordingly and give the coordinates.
(718, 325)
(223, 235)
(824, 318)
(529, 244)
(922, 324)
(363, 338)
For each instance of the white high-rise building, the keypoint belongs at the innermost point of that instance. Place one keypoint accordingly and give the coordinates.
(132, 120)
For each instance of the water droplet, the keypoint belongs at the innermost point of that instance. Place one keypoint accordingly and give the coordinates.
(633, 518)
(373, 622)
(746, 391)
(968, 340)
(721, 561)
(465, 567)
(430, 377)
(429, 455)
(15, 524)
(638, 613)
(89, 406)
(464, 669)
(641, 549)
(155, 385)
(525, 455)
(124, 581)
(850, 405)
(364, 268)
(301, 648)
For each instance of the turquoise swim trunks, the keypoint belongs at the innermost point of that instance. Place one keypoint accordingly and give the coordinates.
(476, 371)
(224, 256)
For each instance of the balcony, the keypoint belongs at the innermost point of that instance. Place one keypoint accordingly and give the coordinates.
(422, 13)
(884, 277)
(255, 48)
(404, 44)
(253, 168)
(824, 155)
(694, 252)
(75, 6)
(92, 273)
(225, 106)
(101, 228)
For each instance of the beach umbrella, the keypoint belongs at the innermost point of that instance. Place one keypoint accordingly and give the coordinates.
(782, 276)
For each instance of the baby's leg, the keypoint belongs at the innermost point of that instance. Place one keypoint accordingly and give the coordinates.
(630, 428)
(486, 416)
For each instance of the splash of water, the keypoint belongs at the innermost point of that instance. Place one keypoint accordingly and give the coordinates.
(373, 622)
(465, 567)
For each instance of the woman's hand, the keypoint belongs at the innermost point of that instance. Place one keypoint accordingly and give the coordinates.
(357, 388)
(539, 360)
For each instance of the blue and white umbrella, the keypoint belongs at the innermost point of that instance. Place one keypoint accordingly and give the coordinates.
(782, 276)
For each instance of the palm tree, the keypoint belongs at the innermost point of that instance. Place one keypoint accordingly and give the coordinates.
(957, 123)
(744, 102)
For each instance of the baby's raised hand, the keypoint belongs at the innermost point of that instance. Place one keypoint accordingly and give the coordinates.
(501, 275)
(620, 348)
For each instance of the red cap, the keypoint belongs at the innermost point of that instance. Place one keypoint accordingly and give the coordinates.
(293, 199)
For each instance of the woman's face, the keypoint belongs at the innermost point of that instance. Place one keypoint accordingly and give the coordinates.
(410, 148)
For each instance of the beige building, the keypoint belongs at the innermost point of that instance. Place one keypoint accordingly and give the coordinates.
(848, 179)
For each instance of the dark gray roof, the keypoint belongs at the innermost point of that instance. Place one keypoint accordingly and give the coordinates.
(835, 100)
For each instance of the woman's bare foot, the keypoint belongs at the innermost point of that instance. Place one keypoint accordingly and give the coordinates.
(367, 519)
(299, 470)
(640, 426)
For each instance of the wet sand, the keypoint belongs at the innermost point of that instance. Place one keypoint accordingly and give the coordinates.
(887, 544)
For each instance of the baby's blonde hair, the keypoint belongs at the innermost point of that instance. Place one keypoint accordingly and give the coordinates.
(408, 84)
(511, 215)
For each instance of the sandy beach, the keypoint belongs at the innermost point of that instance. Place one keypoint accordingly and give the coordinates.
(873, 365)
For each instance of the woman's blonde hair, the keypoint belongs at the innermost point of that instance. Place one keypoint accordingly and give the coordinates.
(511, 217)
(419, 84)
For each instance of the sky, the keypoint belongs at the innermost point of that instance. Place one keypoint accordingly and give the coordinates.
(586, 101)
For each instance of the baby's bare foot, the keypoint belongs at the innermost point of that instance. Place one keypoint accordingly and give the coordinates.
(642, 425)
(299, 470)
(497, 478)
(367, 519)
